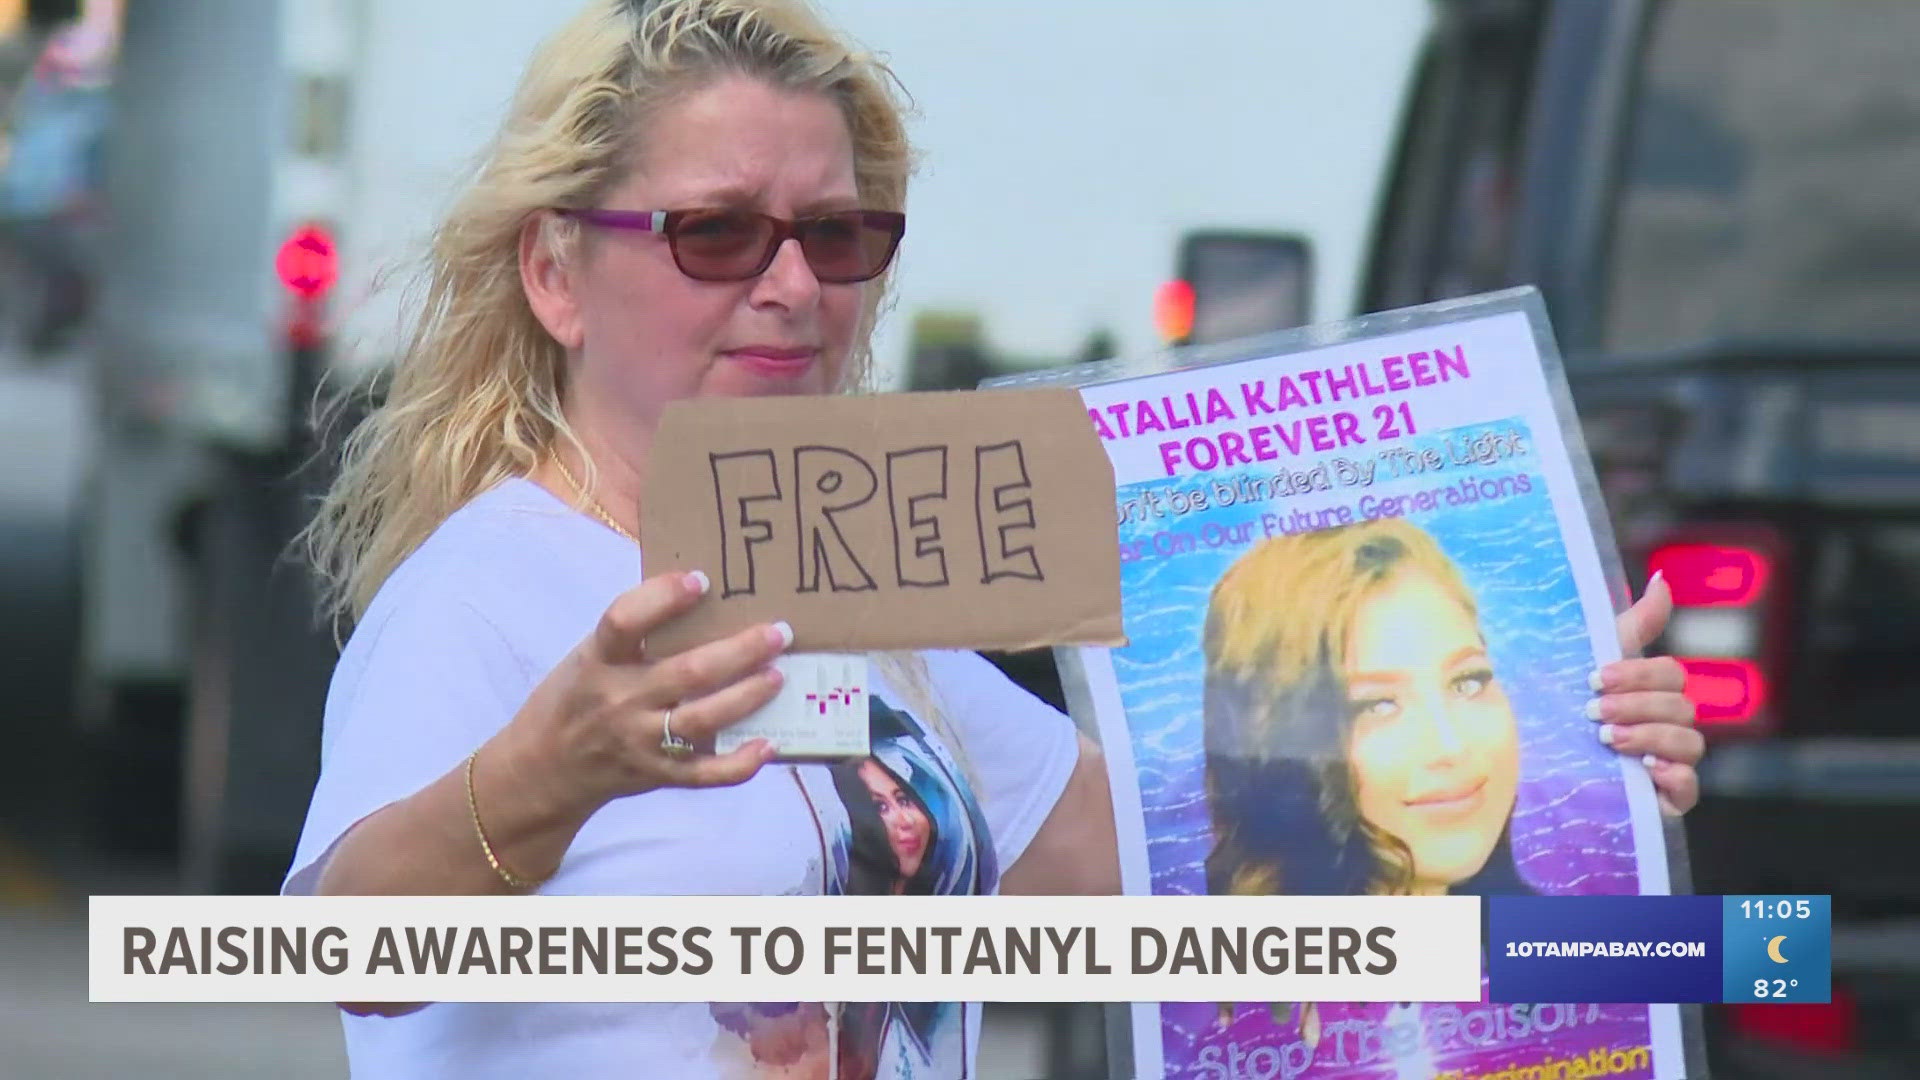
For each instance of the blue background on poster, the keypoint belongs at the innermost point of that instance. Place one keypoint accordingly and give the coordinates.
(1571, 826)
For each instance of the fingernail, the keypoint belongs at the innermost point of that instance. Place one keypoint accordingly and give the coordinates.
(1657, 578)
(1608, 733)
(769, 750)
(699, 582)
(1595, 680)
(775, 675)
(782, 634)
(1650, 761)
(1593, 709)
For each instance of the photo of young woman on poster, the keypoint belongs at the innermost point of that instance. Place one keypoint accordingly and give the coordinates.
(893, 831)
(896, 822)
(1360, 741)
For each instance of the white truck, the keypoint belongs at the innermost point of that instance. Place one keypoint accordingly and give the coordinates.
(266, 160)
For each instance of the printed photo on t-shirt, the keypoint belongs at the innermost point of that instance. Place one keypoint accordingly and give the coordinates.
(901, 821)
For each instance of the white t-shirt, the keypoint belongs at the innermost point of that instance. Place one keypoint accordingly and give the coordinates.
(452, 646)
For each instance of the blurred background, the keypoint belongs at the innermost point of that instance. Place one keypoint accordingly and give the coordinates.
(1718, 198)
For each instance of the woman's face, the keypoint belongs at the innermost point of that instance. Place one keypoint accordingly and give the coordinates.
(906, 824)
(641, 333)
(1433, 745)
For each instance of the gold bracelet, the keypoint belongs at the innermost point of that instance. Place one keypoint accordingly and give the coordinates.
(486, 846)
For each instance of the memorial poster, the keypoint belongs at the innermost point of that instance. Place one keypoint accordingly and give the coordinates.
(1364, 579)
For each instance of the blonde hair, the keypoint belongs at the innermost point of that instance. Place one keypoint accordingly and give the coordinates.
(474, 396)
(1276, 637)
(1291, 602)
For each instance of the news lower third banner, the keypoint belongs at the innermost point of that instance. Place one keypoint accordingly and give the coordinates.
(1642, 949)
(783, 948)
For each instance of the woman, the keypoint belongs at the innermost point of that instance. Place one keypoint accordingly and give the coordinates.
(688, 198)
(907, 819)
(893, 831)
(1363, 743)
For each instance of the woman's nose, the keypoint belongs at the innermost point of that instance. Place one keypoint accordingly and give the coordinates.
(788, 280)
(1439, 731)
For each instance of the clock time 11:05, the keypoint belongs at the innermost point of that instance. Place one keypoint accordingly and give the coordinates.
(1776, 909)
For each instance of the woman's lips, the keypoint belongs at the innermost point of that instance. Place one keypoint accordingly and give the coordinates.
(774, 362)
(1452, 799)
(911, 843)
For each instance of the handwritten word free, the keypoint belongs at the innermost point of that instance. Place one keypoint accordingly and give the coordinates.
(853, 522)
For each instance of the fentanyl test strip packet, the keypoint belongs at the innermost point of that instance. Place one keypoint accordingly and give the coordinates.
(819, 714)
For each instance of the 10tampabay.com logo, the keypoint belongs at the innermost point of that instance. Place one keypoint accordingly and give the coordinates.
(1659, 949)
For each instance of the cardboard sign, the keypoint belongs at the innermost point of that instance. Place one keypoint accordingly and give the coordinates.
(978, 519)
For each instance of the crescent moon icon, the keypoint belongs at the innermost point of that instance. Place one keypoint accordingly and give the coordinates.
(1773, 950)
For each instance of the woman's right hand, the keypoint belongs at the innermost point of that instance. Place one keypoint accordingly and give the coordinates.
(594, 729)
(589, 733)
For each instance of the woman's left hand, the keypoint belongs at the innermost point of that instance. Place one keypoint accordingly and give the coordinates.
(1641, 710)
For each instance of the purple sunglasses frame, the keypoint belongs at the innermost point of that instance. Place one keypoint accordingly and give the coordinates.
(667, 223)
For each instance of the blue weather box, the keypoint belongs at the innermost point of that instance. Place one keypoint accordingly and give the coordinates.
(1777, 948)
(1212, 555)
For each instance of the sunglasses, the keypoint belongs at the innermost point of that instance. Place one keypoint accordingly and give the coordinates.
(733, 245)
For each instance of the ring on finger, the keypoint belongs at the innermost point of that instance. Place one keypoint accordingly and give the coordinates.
(672, 744)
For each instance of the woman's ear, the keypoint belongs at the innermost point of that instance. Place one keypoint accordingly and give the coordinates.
(549, 277)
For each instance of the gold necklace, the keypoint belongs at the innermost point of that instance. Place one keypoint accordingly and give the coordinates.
(592, 503)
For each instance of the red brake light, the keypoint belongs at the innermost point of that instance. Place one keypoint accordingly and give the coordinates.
(1731, 587)
(1173, 311)
(1712, 575)
(1831, 1027)
(1725, 691)
(308, 262)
